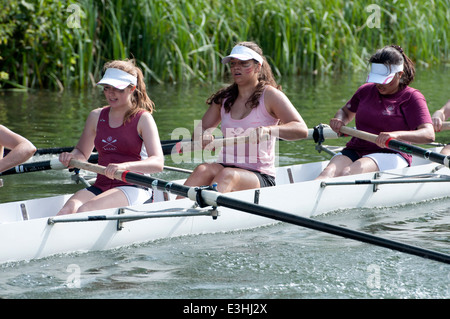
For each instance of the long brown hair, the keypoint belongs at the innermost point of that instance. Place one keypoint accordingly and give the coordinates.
(393, 54)
(231, 92)
(139, 99)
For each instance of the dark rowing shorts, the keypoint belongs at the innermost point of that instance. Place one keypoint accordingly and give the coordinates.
(351, 154)
(94, 190)
(264, 179)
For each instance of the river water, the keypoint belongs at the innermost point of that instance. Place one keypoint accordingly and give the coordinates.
(275, 262)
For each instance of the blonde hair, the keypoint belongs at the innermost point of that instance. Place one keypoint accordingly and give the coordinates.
(139, 99)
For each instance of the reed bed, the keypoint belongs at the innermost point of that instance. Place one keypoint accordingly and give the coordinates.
(63, 44)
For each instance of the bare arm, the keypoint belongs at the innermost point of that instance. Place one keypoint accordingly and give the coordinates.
(422, 135)
(21, 148)
(440, 116)
(342, 117)
(292, 126)
(210, 120)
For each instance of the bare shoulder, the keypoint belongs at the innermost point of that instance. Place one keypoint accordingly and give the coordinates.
(275, 98)
(95, 113)
(146, 117)
(274, 95)
(146, 123)
(92, 120)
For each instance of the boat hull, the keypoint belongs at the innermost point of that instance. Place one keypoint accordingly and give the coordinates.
(296, 192)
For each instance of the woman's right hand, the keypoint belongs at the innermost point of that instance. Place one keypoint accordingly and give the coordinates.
(437, 123)
(336, 125)
(65, 158)
(207, 140)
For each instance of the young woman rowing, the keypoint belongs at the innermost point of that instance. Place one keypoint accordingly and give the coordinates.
(253, 105)
(385, 106)
(126, 138)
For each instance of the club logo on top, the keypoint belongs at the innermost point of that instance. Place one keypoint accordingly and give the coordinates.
(109, 144)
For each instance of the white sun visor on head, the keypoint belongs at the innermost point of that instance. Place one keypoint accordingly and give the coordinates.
(242, 53)
(383, 74)
(117, 78)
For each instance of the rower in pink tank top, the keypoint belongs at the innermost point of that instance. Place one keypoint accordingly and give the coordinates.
(256, 157)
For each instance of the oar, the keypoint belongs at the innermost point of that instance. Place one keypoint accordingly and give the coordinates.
(53, 150)
(400, 146)
(319, 132)
(54, 163)
(445, 126)
(30, 167)
(212, 198)
(166, 145)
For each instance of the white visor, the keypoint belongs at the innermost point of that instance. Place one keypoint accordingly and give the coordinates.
(383, 74)
(243, 53)
(118, 78)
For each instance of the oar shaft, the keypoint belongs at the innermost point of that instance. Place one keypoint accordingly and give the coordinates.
(30, 167)
(34, 167)
(166, 145)
(53, 150)
(328, 228)
(400, 146)
(445, 126)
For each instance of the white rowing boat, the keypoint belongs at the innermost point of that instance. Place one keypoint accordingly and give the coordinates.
(29, 229)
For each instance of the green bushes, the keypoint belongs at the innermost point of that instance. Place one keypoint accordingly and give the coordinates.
(60, 44)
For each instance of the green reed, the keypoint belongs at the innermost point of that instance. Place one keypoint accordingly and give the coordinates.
(182, 40)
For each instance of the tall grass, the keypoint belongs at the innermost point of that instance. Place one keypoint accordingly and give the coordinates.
(181, 40)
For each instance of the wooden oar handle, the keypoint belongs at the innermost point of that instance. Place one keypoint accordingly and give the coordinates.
(445, 126)
(214, 144)
(94, 168)
(359, 134)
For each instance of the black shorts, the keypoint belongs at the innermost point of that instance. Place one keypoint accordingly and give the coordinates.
(264, 179)
(94, 190)
(351, 154)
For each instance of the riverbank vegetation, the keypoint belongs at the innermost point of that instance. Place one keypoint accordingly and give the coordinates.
(64, 44)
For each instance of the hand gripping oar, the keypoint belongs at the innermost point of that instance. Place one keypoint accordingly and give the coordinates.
(316, 133)
(400, 146)
(212, 198)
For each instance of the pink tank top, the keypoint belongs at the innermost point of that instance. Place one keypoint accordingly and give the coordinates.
(116, 145)
(257, 157)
